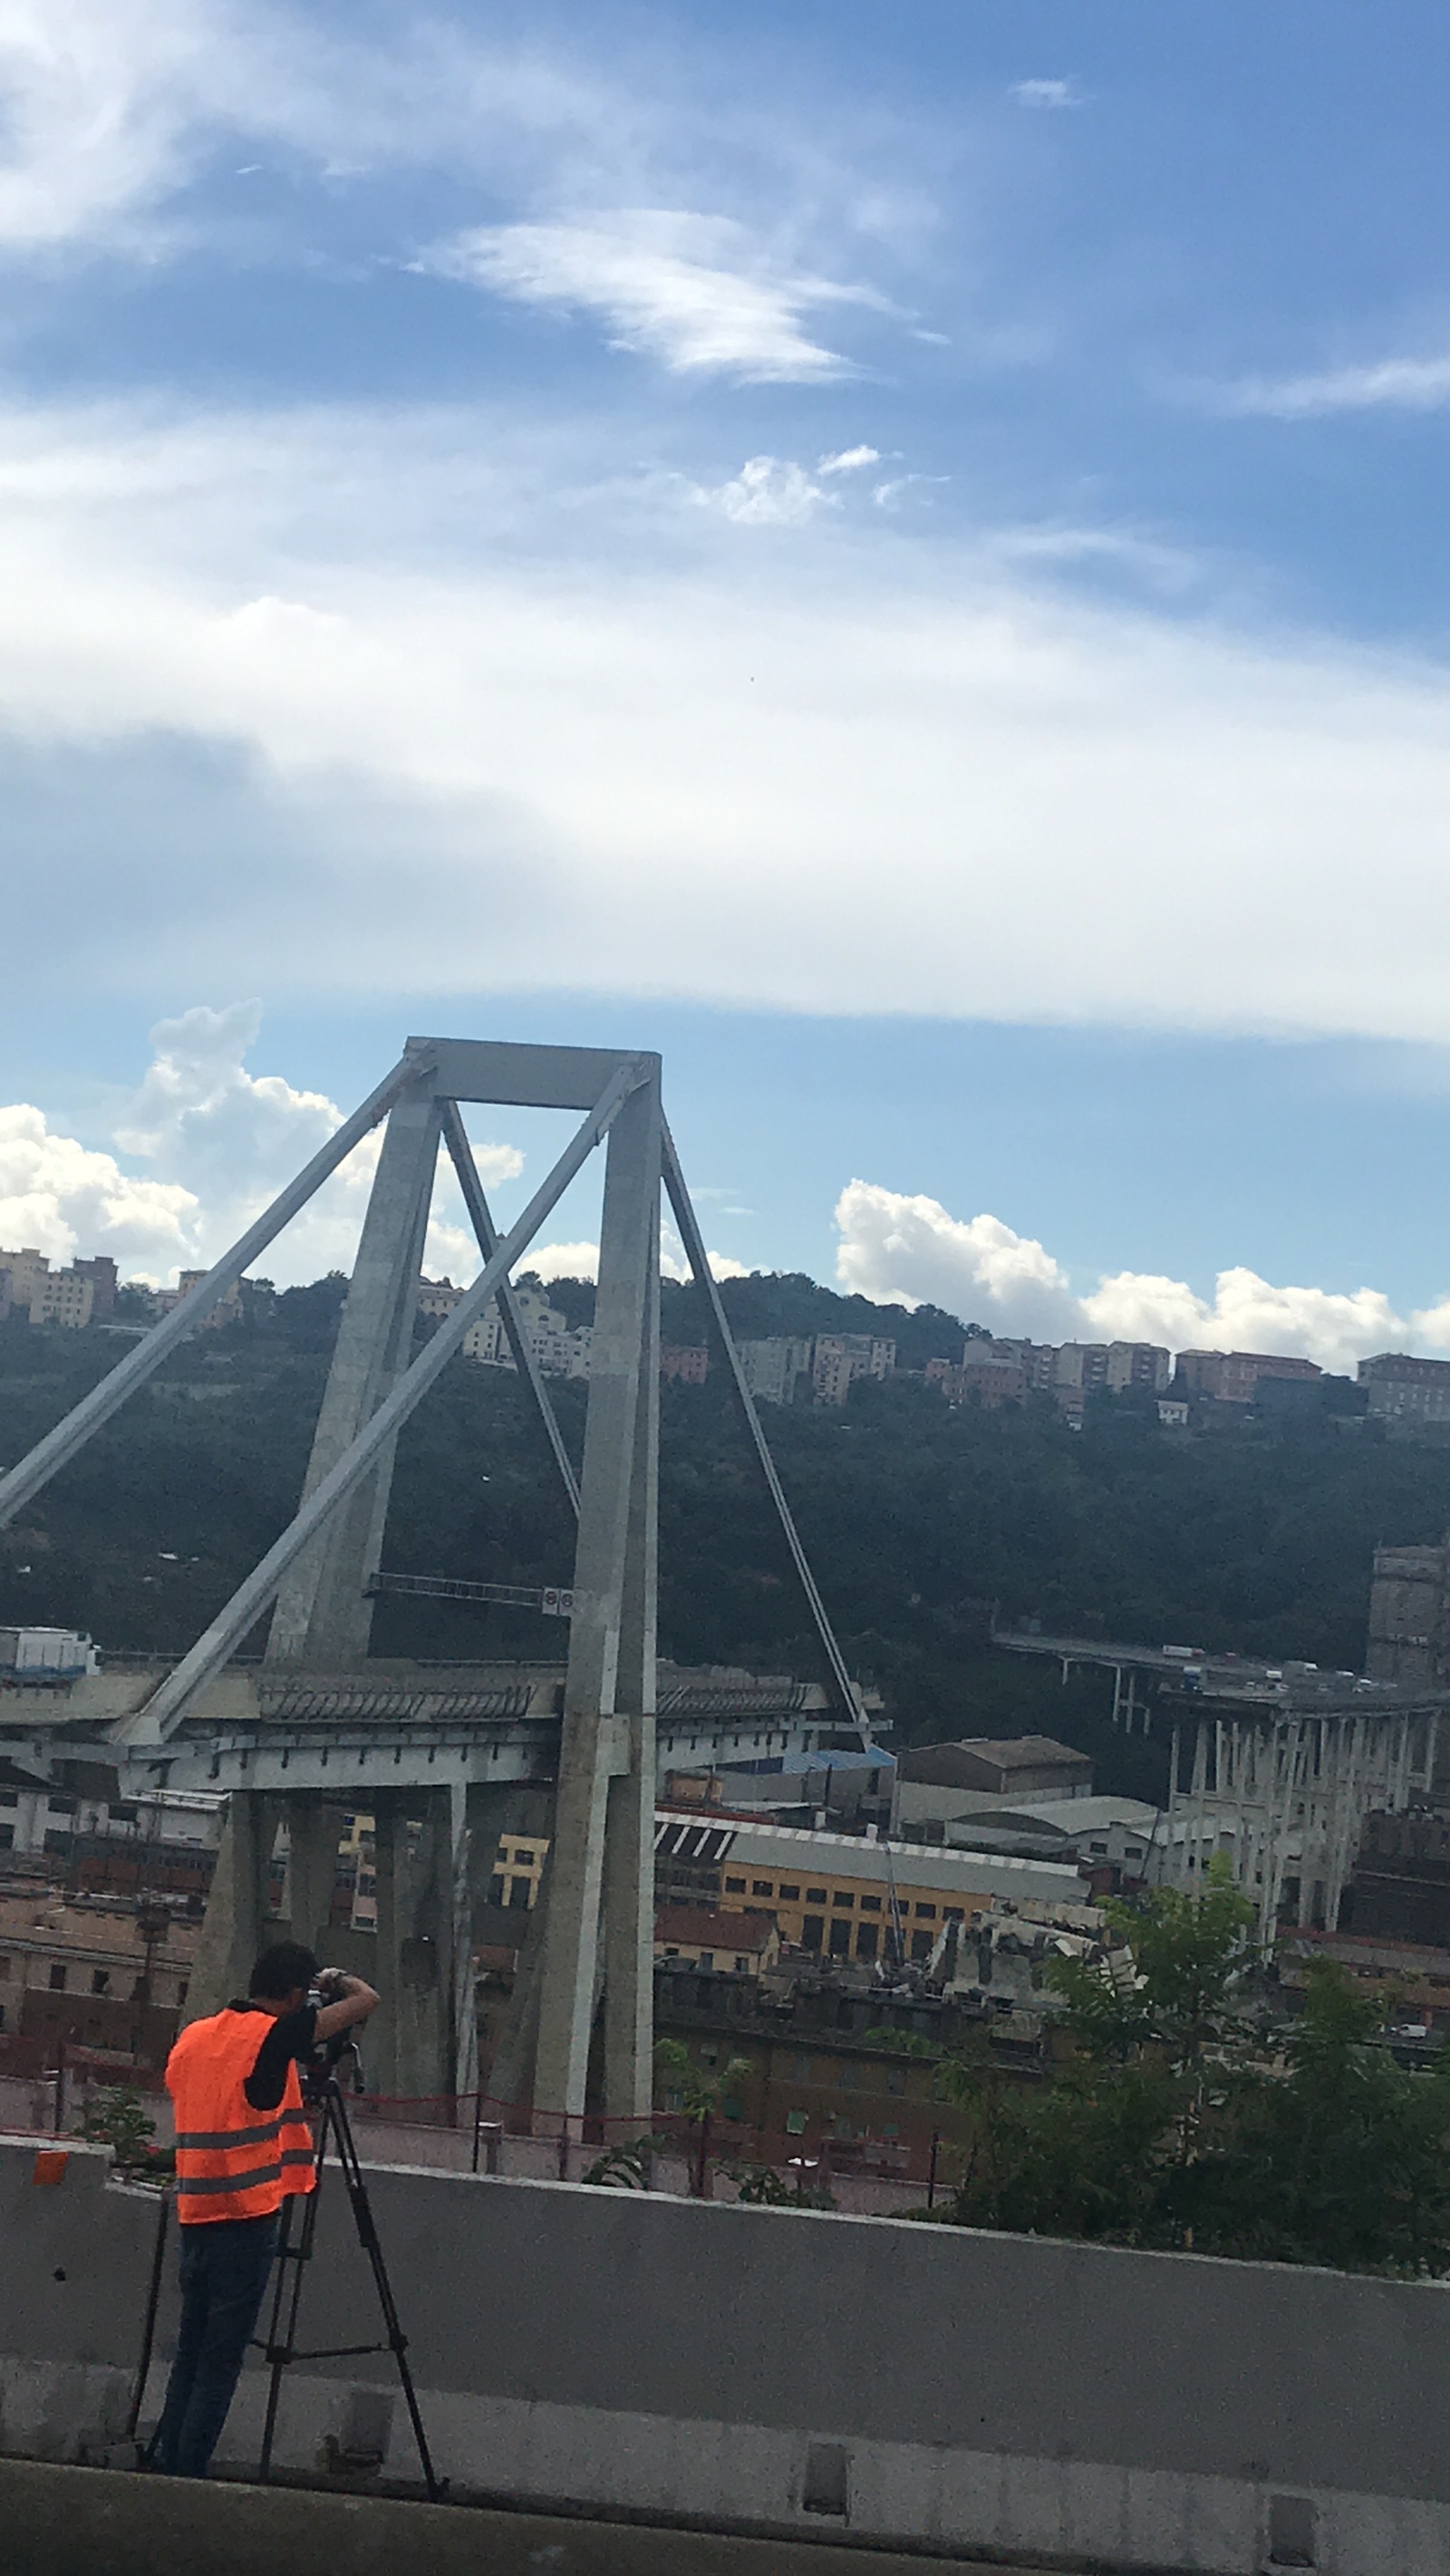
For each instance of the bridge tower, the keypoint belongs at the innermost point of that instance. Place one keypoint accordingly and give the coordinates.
(436, 1843)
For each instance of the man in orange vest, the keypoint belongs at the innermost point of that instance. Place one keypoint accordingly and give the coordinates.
(243, 2146)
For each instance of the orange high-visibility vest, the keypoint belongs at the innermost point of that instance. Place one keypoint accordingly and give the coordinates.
(232, 2161)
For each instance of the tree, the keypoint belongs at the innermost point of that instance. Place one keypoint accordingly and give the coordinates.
(1186, 2117)
(688, 2088)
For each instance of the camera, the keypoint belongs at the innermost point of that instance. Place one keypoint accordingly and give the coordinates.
(327, 1988)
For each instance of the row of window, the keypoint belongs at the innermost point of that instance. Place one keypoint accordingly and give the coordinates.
(58, 1978)
(784, 1895)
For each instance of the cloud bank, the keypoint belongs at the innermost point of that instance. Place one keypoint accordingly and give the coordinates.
(902, 1249)
(952, 784)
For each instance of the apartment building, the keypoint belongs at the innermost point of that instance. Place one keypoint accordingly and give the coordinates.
(558, 1350)
(1232, 1377)
(29, 1286)
(1407, 1390)
(842, 1357)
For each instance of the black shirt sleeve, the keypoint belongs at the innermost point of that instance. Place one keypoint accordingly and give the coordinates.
(289, 2036)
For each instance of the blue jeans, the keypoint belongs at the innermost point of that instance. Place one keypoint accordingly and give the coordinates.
(224, 2268)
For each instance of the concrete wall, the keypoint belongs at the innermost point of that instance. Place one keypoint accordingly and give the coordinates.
(787, 2373)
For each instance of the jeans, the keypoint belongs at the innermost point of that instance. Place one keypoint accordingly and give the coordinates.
(224, 2268)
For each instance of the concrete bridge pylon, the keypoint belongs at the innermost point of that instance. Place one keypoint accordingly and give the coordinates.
(437, 1831)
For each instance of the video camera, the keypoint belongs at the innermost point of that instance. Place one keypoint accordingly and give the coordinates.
(328, 2060)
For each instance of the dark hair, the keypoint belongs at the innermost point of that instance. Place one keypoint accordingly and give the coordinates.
(281, 1970)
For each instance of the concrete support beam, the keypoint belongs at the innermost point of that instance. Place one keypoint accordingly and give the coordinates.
(323, 1616)
(609, 1689)
(314, 1828)
(236, 1925)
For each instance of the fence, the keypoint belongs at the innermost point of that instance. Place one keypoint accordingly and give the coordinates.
(714, 2159)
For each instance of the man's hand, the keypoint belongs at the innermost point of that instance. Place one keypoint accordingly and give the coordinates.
(347, 2000)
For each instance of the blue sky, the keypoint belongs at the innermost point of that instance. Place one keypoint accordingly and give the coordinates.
(896, 554)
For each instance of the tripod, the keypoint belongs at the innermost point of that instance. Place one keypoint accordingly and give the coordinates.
(325, 2096)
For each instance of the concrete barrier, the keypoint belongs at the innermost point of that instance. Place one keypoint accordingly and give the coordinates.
(796, 2375)
(85, 2522)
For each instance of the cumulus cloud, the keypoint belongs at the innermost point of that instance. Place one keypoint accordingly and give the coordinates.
(1388, 384)
(909, 1250)
(227, 1141)
(581, 1260)
(692, 290)
(1047, 93)
(768, 492)
(59, 1198)
(852, 460)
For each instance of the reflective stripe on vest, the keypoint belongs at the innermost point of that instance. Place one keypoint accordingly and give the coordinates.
(231, 2163)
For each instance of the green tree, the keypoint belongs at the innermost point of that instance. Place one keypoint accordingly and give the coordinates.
(1184, 2117)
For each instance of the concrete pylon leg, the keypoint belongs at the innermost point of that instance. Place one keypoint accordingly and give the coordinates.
(613, 1609)
(314, 1831)
(410, 2038)
(629, 1828)
(236, 1926)
(323, 1616)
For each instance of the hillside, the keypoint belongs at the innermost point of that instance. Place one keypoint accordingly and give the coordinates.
(917, 1519)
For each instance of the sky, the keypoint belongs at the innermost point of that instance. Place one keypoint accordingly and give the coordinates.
(896, 555)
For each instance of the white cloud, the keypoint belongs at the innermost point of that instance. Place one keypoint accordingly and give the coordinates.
(1389, 384)
(850, 461)
(109, 112)
(59, 1198)
(581, 1260)
(952, 782)
(691, 290)
(227, 1142)
(768, 492)
(1047, 93)
(909, 1250)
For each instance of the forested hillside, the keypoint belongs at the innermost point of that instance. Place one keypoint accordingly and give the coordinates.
(918, 1519)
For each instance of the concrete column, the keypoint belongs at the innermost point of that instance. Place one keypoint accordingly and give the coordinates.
(410, 2039)
(314, 1828)
(236, 1925)
(611, 1570)
(629, 1824)
(323, 1617)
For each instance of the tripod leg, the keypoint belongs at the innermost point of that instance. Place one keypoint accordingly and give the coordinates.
(279, 2351)
(357, 2192)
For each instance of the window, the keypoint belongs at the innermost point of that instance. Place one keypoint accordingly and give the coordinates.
(100, 1980)
(846, 2077)
(815, 1896)
(520, 1890)
(523, 1860)
(57, 1976)
(870, 1904)
(926, 1913)
(9, 1797)
(495, 1891)
(840, 1940)
(1133, 1851)
(709, 2056)
(812, 1926)
(921, 1945)
(951, 1914)
(801, 2070)
(706, 1961)
(795, 2124)
(896, 2079)
(788, 1895)
(866, 1940)
(1097, 1847)
(735, 1887)
(732, 2108)
(742, 1965)
(840, 1898)
(762, 1887)
(889, 2129)
(4, 1963)
(62, 1806)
